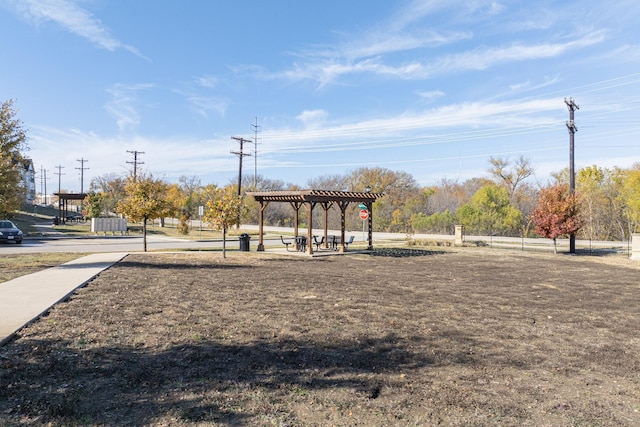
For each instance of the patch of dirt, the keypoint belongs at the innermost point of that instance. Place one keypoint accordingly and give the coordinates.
(455, 337)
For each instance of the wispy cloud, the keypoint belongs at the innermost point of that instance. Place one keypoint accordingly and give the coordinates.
(199, 98)
(429, 95)
(203, 105)
(122, 104)
(408, 46)
(74, 19)
(168, 158)
(481, 58)
(478, 115)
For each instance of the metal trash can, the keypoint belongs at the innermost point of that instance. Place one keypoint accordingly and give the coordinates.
(244, 242)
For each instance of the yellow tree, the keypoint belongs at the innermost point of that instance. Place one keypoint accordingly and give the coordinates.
(632, 196)
(176, 199)
(224, 209)
(590, 185)
(144, 200)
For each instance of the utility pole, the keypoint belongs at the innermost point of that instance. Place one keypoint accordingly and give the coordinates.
(82, 169)
(59, 173)
(135, 162)
(256, 129)
(571, 126)
(240, 154)
(41, 183)
(45, 186)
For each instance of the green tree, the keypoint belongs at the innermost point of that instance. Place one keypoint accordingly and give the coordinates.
(438, 222)
(111, 186)
(13, 139)
(490, 211)
(145, 200)
(224, 209)
(556, 213)
(93, 202)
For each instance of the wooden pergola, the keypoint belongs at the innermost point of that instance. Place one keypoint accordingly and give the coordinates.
(311, 199)
(63, 203)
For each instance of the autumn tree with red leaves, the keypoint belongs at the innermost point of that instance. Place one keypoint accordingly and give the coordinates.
(556, 213)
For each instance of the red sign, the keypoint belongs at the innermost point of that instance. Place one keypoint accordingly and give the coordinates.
(364, 214)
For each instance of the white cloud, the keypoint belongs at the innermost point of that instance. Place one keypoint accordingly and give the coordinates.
(74, 19)
(430, 95)
(312, 118)
(411, 128)
(167, 158)
(207, 81)
(122, 105)
(197, 94)
(203, 105)
(400, 47)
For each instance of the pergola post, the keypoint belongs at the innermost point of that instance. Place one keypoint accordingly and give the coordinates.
(263, 206)
(326, 206)
(343, 221)
(310, 206)
(296, 217)
(370, 226)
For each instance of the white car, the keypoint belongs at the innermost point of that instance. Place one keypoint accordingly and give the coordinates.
(9, 232)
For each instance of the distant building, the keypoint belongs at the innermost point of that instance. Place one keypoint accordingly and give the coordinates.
(28, 174)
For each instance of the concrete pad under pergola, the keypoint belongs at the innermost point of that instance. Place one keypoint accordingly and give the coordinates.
(310, 199)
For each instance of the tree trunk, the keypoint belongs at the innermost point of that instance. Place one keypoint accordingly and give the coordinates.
(224, 242)
(144, 234)
(555, 248)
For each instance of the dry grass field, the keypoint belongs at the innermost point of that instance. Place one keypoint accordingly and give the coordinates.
(459, 337)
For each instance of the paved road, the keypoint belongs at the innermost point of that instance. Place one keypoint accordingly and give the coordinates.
(94, 244)
(116, 244)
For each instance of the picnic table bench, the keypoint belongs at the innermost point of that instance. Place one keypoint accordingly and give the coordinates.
(335, 241)
(300, 243)
(286, 243)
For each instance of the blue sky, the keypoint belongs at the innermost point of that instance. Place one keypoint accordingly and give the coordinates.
(433, 88)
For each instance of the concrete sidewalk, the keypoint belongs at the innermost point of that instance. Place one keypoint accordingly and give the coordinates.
(26, 298)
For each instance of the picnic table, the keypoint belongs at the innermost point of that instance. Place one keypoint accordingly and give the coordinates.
(301, 243)
(335, 241)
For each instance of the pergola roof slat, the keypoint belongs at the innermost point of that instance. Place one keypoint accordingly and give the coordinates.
(314, 196)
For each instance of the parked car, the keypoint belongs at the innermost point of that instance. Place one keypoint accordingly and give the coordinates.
(9, 232)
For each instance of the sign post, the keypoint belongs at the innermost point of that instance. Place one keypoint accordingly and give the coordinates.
(364, 215)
